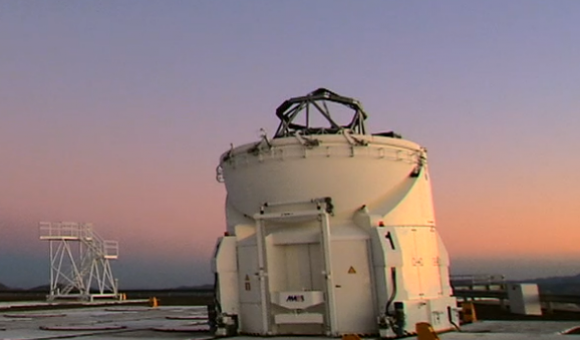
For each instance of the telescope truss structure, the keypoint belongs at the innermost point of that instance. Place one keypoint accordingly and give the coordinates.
(80, 265)
(315, 103)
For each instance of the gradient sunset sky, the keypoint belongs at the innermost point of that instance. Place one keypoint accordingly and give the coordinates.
(116, 113)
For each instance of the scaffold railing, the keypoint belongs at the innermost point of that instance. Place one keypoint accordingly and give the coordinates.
(65, 230)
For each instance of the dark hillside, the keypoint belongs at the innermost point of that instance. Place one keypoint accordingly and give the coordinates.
(565, 285)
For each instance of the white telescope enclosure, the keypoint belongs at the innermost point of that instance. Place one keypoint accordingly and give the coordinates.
(330, 230)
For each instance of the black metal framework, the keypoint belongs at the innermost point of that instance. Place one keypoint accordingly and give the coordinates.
(291, 108)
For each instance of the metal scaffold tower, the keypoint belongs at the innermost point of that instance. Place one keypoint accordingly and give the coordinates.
(79, 261)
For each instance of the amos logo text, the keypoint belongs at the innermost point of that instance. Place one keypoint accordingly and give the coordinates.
(295, 298)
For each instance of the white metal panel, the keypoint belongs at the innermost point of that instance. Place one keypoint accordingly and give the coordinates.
(428, 255)
(250, 318)
(524, 299)
(303, 318)
(248, 270)
(296, 236)
(387, 261)
(250, 302)
(276, 256)
(353, 292)
(444, 267)
(298, 268)
(416, 311)
(225, 266)
(316, 267)
(387, 247)
(441, 310)
(408, 279)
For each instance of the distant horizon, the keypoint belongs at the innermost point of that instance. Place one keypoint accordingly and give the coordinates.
(513, 269)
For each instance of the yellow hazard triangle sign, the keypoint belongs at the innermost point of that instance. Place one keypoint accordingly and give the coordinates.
(351, 270)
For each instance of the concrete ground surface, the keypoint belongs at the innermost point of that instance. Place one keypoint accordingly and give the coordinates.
(190, 322)
(114, 322)
(513, 330)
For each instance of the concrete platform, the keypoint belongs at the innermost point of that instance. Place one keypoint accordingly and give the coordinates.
(190, 322)
(488, 330)
(513, 330)
(122, 322)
